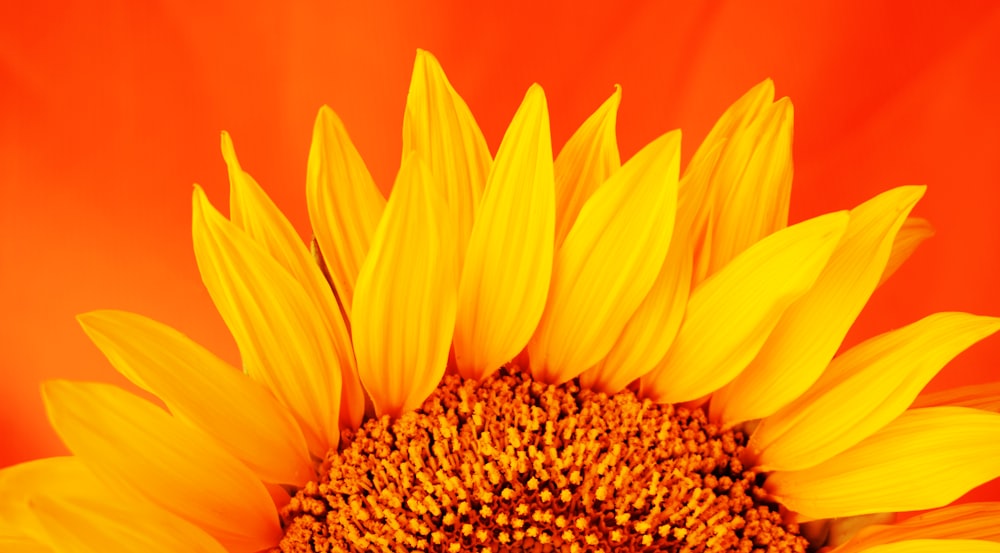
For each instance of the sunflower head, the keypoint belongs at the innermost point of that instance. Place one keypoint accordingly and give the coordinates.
(528, 352)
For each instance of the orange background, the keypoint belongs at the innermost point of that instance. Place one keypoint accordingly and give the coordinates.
(109, 112)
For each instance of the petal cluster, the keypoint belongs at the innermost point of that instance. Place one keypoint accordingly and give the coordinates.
(683, 285)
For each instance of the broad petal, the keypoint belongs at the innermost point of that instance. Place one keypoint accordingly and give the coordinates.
(508, 266)
(64, 477)
(651, 330)
(129, 442)
(254, 213)
(731, 314)
(945, 450)
(93, 527)
(608, 263)
(199, 387)
(589, 157)
(809, 333)
(863, 390)
(440, 127)
(936, 546)
(406, 296)
(344, 203)
(22, 544)
(978, 396)
(280, 332)
(970, 521)
(913, 233)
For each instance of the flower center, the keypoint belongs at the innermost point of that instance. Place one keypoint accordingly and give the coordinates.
(509, 464)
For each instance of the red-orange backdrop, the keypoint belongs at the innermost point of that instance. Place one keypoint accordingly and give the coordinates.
(110, 110)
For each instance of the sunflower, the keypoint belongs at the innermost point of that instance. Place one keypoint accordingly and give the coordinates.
(516, 354)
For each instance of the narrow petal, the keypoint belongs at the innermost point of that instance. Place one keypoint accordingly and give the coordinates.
(440, 127)
(508, 266)
(978, 396)
(252, 211)
(608, 263)
(924, 459)
(863, 390)
(913, 233)
(651, 330)
(100, 528)
(589, 157)
(281, 334)
(753, 178)
(344, 203)
(811, 331)
(714, 175)
(130, 442)
(731, 314)
(970, 521)
(199, 387)
(936, 546)
(406, 296)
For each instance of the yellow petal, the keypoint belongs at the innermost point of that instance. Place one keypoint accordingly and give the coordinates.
(440, 127)
(405, 296)
(936, 546)
(344, 203)
(924, 459)
(22, 544)
(651, 330)
(280, 332)
(507, 268)
(864, 389)
(731, 314)
(199, 387)
(716, 176)
(63, 477)
(970, 521)
(129, 442)
(608, 263)
(99, 528)
(810, 332)
(978, 396)
(253, 212)
(754, 181)
(589, 157)
(913, 233)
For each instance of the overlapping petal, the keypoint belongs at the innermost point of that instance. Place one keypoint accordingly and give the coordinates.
(282, 336)
(936, 546)
(809, 333)
(968, 521)
(344, 203)
(913, 233)
(978, 396)
(252, 211)
(439, 126)
(731, 314)
(242, 415)
(863, 390)
(608, 263)
(508, 265)
(950, 449)
(131, 443)
(403, 323)
(589, 157)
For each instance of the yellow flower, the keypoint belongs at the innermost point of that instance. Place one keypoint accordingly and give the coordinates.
(516, 354)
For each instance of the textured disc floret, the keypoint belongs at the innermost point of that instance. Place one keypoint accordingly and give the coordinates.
(510, 464)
